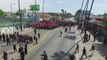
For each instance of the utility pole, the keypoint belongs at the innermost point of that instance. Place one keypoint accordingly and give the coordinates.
(81, 11)
(91, 8)
(35, 12)
(12, 14)
(82, 4)
(86, 21)
(88, 17)
(20, 16)
(43, 9)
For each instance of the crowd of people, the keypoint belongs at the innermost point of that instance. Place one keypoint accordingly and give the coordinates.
(16, 39)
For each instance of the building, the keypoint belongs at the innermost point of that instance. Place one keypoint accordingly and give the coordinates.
(45, 16)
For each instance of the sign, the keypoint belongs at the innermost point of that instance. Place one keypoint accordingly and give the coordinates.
(34, 7)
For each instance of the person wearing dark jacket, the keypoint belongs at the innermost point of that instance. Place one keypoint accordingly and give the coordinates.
(60, 33)
(38, 35)
(8, 40)
(26, 51)
(22, 55)
(77, 48)
(5, 56)
(44, 55)
(35, 31)
(20, 49)
(14, 47)
(84, 53)
(92, 49)
(72, 57)
(0, 36)
(3, 36)
(35, 38)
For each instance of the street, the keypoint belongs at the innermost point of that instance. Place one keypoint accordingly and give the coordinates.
(55, 46)
(53, 30)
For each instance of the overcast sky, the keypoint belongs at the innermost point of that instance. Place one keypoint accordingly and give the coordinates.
(55, 5)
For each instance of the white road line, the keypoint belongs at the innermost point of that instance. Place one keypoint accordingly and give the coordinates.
(68, 43)
(56, 40)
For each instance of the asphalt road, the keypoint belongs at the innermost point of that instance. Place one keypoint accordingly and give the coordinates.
(57, 47)
(4, 47)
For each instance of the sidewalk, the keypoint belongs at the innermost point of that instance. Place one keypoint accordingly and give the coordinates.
(24, 30)
(99, 53)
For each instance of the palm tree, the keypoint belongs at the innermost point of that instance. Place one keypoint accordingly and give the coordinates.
(62, 11)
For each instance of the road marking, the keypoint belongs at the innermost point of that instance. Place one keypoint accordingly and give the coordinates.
(9, 50)
(56, 40)
(40, 41)
(68, 43)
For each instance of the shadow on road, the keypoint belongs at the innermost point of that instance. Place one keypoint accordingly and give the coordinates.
(73, 46)
(5, 46)
(72, 32)
(82, 58)
(60, 56)
(101, 48)
(11, 52)
(70, 37)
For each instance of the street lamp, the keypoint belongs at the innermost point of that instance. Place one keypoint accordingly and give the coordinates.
(11, 6)
(20, 15)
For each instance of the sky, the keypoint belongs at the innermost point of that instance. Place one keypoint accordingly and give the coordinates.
(99, 7)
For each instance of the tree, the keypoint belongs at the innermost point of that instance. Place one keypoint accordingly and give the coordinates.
(62, 11)
(78, 14)
(17, 14)
(69, 15)
(105, 21)
(2, 14)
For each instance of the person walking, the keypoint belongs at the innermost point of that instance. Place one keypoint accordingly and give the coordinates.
(0, 36)
(38, 35)
(94, 37)
(85, 38)
(92, 48)
(84, 53)
(105, 41)
(26, 50)
(66, 29)
(35, 31)
(77, 48)
(20, 49)
(35, 38)
(60, 33)
(3, 36)
(5, 56)
(72, 57)
(14, 47)
(22, 55)
(44, 55)
(7, 40)
(89, 37)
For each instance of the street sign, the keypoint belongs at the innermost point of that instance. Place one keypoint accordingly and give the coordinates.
(34, 7)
